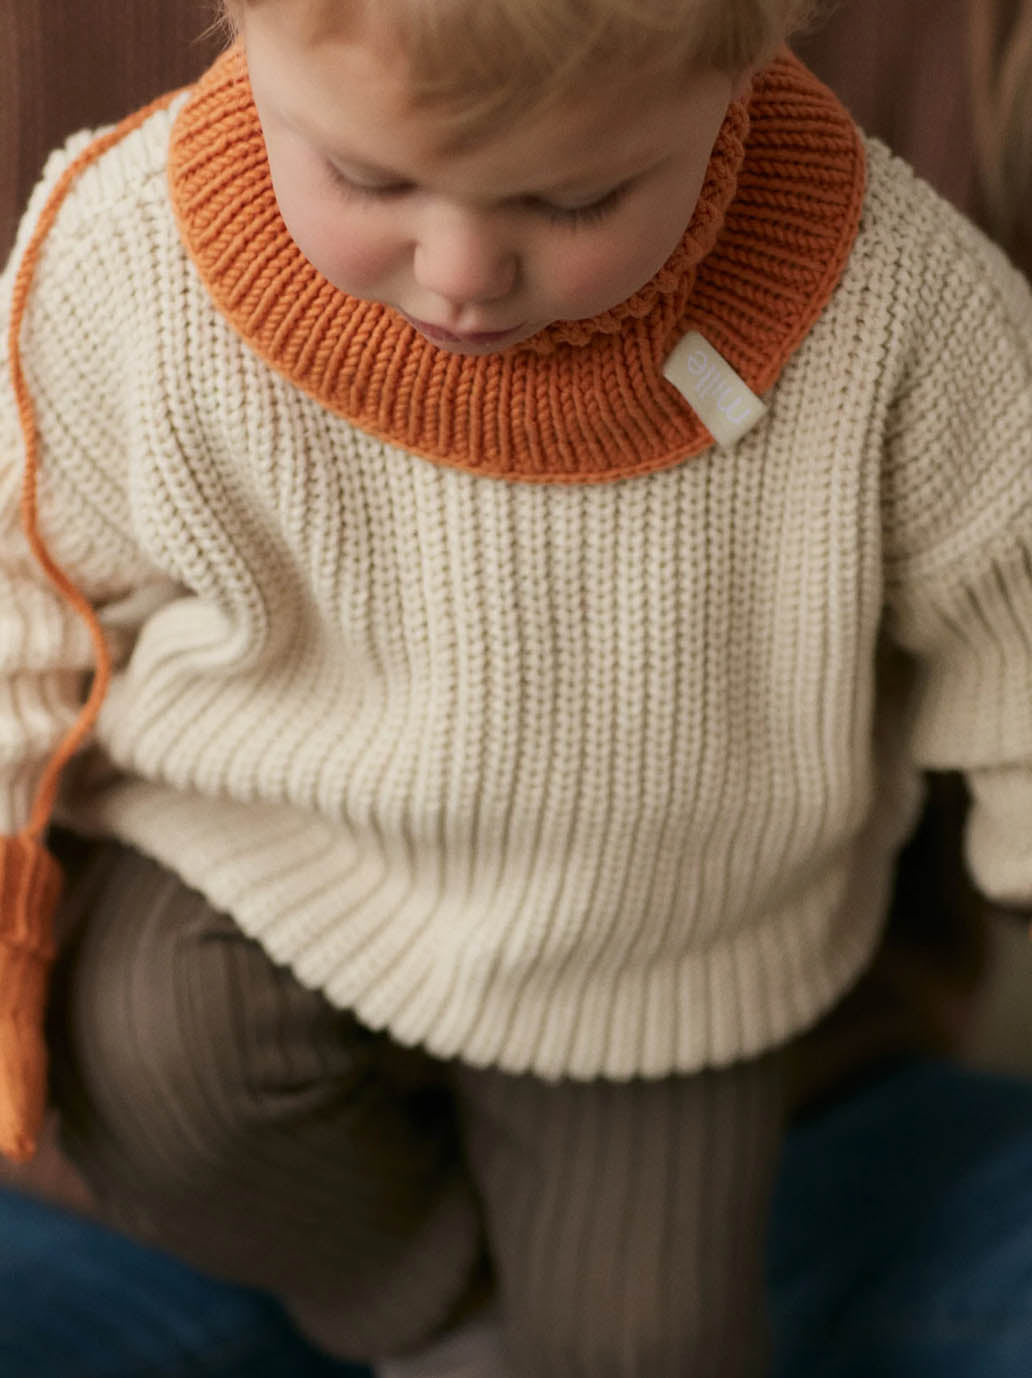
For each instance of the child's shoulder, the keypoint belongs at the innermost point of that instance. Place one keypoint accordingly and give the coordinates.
(99, 181)
(947, 322)
(923, 231)
(928, 282)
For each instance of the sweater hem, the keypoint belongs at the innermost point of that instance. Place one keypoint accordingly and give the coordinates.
(738, 999)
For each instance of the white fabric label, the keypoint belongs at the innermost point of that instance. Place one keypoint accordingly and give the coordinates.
(723, 402)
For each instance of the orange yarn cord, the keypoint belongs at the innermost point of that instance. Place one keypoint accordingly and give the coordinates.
(46, 792)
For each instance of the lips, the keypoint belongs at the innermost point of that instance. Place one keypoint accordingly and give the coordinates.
(469, 337)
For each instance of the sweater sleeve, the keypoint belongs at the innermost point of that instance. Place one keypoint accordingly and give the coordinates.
(957, 492)
(41, 661)
(47, 651)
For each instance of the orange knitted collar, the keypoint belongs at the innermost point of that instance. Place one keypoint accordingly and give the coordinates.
(582, 401)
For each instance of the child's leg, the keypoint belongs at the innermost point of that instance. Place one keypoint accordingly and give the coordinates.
(222, 1111)
(627, 1221)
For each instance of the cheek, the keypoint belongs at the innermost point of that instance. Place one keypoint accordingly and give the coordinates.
(344, 249)
(615, 265)
(588, 271)
(352, 249)
(596, 273)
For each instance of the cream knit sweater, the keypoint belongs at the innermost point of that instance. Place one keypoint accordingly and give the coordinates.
(597, 775)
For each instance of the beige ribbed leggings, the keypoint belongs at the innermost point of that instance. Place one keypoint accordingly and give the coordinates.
(219, 1109)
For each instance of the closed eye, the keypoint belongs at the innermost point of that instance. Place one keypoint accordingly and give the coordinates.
(371, 189)
(587, 214)
(590, 213)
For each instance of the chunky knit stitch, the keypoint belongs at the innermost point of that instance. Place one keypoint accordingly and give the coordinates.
(576, 777)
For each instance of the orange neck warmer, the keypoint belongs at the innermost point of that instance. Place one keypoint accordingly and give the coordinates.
(581, 401)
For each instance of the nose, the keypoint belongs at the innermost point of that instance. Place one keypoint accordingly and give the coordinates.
(462, 257)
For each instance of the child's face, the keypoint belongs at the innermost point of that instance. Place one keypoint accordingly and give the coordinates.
(482, 245)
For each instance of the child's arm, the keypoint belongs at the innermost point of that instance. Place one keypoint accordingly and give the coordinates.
(41, 664)
(56, 558)
(958, 531)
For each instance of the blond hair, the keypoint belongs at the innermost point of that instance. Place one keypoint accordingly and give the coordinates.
(486, 61)
(1001, 72)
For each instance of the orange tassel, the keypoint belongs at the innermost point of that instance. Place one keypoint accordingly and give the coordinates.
(30, 887)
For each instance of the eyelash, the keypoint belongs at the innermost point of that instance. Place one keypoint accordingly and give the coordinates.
(583, 215)
(573, 216)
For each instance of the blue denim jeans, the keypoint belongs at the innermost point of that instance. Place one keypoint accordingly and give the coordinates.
(901, 1246)
(77, 1301)
(901, 1239)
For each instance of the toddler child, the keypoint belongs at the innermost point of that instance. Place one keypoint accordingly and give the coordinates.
(499, 501)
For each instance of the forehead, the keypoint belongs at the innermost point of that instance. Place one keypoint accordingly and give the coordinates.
(348, 90)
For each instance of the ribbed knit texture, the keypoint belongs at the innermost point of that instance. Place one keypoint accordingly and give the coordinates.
(626, 1222)
(576, 777)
